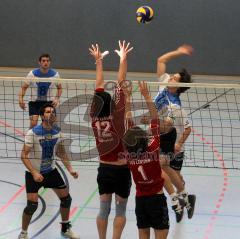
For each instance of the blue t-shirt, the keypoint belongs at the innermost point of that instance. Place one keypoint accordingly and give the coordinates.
(43, 145)
(165, 99)
(43, 89)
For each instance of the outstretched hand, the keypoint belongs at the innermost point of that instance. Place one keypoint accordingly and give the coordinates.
(124, 49)
(96, 53)
(186, 49)
(143, 87)
(127, 88)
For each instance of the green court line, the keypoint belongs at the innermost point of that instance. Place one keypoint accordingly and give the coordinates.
(89, 199)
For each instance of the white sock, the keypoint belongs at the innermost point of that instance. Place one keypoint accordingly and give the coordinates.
(65, 221)
(174, 199)
(184, 195)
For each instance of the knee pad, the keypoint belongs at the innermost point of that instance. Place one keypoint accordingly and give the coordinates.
(66, 201)
(31, 207)
(105, 208)
(121, 208)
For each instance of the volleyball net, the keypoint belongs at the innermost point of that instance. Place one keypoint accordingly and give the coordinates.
(213, 111)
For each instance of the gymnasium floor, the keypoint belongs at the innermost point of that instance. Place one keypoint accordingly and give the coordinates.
(217, 213)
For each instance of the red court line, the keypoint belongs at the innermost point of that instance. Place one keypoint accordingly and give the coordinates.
(220, 199)
(12, 199)
(73, 211)
(19, 132)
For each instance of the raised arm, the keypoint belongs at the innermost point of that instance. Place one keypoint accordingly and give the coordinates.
(124, 49)
(164, 59)
(163, 127)
(98, 56)
(128, 95)
(143, 87)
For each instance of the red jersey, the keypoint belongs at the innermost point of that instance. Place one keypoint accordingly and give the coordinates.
(145, 168)
(108, 131)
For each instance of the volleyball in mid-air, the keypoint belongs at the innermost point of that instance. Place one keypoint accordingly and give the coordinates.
(144, 14)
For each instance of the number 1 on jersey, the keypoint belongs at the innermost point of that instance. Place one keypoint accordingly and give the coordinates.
(141, 170)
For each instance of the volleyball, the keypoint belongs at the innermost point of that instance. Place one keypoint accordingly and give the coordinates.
(144, 14)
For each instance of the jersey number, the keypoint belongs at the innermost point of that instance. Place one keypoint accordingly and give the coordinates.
(103, 128)
(141, 170)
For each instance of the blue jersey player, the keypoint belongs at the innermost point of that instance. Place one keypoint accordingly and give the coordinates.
(41, 91)
(43, 143)
(168, 103)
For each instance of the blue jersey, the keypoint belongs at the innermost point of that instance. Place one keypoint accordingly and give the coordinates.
(164, 99)
(43, 90)
(170, 106)
(43, 145)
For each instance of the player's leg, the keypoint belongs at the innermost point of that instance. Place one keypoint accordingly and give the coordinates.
(158, 215)
(120, 217)
(176, 165)
(32, 204)
(55, 181)
(105, 180)
(167, 149)
(65, 205)
(175, 179)
(177, 204)
(122, 190)
(65, 202)
(32, 188)
(143, 223)
(144, 233)
(161, 234)
(102, 218)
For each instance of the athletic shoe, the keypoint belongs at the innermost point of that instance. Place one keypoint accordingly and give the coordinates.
(69, 233)
(23, 235)
(178, 209)
(190, 206)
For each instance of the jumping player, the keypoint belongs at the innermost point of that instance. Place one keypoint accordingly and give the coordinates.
(107, 115)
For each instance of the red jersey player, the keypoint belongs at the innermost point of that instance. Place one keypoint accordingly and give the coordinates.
(144, 163)
(107, 115)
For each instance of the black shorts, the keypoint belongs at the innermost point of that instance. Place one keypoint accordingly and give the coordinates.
(114, 179)
(52, 179)
(167, 143)
(35, 106)
(177, 162)
(152, 211)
